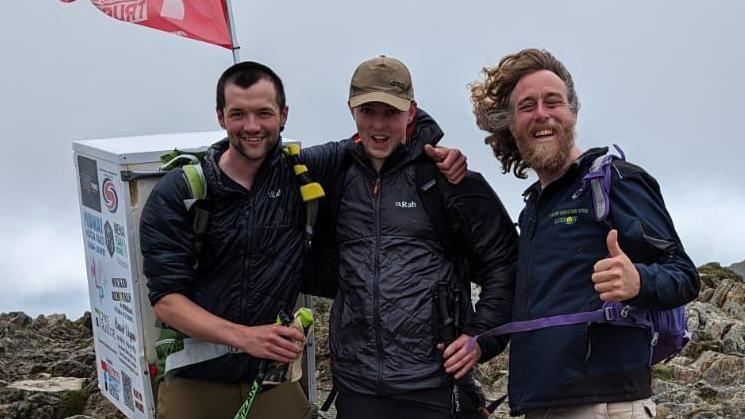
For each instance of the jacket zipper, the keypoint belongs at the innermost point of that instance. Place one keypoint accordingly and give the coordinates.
(532, 221)
(376, 279)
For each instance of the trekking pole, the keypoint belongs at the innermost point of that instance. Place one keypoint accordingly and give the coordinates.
(284, 319)
(447, 332)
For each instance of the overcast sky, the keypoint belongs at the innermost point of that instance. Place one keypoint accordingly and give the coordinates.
(661, 78)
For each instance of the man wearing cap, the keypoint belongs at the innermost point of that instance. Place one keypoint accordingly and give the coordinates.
(384, 333)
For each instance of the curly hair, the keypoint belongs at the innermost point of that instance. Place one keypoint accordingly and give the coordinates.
(491, 101)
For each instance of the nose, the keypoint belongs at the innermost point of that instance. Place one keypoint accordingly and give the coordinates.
(377, 122)
(541, 112)
(251, 124)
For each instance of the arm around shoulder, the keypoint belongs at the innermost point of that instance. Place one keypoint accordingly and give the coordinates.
(491, 239)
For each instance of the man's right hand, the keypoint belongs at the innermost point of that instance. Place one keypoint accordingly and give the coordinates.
(272, 342)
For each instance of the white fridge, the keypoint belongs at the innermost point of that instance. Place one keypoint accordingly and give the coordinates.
(115, 177)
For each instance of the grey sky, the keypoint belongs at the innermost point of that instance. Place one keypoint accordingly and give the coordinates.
(662, 78)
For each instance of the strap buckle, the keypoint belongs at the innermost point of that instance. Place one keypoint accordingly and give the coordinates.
(610, 313)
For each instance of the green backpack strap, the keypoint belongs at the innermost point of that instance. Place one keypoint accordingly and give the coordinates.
(196, 204)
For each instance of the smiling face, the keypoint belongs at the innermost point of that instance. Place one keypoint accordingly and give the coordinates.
(252, 119)
(543, 121)
(381, 128)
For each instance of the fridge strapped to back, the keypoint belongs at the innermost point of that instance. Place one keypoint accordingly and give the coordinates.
(115, 179)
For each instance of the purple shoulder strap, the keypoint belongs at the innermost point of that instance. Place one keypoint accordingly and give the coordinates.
(612, 312)
(599, 177)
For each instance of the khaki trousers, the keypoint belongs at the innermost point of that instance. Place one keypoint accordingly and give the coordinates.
(182, 398)
(637, 409)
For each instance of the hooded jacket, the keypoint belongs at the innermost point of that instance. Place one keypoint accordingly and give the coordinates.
(383, 331)
(560, 242)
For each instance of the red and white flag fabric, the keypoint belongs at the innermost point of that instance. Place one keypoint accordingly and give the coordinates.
(203, 20)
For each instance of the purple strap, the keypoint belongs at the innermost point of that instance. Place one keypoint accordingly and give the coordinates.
(615, 313)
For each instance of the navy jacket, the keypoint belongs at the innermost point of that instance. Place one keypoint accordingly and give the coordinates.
(560, 241)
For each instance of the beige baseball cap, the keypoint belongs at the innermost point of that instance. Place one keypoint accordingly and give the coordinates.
(382, 79)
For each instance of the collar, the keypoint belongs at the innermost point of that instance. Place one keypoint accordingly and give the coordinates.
(582, 162)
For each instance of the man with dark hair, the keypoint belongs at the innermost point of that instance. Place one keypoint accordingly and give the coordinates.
(569, 261)
(398, 282)
(250, 264)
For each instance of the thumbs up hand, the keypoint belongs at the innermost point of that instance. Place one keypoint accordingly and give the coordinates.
(615, 277)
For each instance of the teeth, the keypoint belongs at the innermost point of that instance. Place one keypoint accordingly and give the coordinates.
(544, 132)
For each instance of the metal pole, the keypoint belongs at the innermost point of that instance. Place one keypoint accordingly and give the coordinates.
(233, 39)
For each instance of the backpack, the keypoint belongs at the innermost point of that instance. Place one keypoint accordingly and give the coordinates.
(667, 329)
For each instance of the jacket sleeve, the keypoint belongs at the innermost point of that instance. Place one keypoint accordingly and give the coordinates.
(485, 227)
(325, 161)
(647, 236)
(166, 239)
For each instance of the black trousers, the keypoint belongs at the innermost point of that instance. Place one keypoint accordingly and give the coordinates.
(421, 404)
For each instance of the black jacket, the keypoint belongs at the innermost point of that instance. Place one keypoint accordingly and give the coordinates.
(560, 241)
(383, 329)
(250, 265)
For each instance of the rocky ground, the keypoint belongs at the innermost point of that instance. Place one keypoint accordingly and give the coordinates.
(47, 364)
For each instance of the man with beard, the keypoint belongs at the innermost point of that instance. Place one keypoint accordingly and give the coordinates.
(569, 262)
(250, 265)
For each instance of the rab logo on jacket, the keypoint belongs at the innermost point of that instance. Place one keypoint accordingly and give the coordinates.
(405, 204)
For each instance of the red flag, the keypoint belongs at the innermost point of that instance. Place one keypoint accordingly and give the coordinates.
(203, 20)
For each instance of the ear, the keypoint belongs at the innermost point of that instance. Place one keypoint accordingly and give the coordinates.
(283, 118)
(411, 114)
(220, 118)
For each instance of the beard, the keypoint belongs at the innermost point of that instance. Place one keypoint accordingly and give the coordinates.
(548, 156)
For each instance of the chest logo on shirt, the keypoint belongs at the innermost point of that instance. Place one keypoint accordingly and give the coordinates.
(568, 216)
(274, 194)
(405, 204)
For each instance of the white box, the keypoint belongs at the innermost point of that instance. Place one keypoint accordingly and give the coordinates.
(111, 201)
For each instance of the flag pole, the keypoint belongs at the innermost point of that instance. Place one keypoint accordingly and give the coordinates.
(233, 39)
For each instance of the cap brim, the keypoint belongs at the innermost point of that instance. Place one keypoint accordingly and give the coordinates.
(387, 98)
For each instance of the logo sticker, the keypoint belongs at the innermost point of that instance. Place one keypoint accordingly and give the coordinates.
(109, 234)
(110, 197)
(88, 174)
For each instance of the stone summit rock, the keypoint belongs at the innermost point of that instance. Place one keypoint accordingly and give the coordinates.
(47, 369)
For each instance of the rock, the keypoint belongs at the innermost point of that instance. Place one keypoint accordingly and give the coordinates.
(715, 271)
(72, 368)
(51, 385)
(739, 268)
(100, 408)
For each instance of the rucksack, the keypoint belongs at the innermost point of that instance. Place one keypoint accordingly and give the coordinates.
(667, 329)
